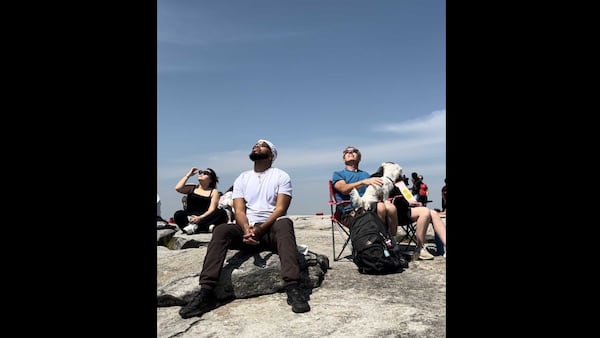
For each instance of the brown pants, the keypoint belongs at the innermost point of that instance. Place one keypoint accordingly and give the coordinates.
(280, 239)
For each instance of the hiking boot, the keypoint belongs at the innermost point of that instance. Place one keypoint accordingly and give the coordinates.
(424, 254)
(203, 301)
(296, 299)
(323, 262)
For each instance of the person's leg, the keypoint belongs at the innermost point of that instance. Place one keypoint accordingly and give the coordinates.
(391, 218)
(422, 216)
(219, 216)
(381, 212)
(282, 239)
(181, 218)
(224, 237)
(438, 226)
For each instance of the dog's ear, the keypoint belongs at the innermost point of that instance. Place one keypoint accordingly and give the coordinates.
(378, 173)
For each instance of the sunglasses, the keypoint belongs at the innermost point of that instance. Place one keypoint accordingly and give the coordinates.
(204, 172)
(262, 144)
(348, 151)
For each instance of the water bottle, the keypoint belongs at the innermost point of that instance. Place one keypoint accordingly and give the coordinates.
(386, 253)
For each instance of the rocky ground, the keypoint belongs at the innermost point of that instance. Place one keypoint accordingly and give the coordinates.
(411, 303)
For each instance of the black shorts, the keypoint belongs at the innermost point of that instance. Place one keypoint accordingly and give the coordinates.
(403, 211)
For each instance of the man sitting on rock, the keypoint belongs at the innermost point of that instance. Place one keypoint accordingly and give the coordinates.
(261, 198)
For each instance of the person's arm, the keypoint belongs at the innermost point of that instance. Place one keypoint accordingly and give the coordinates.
(283, 203)
(241, 219)
(181, 185)
(345, 188)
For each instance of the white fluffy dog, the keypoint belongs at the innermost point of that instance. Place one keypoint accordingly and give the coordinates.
(226, 203)
(390, 172)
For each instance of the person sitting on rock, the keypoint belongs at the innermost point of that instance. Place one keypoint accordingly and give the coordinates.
(201, 208)
(261, 198)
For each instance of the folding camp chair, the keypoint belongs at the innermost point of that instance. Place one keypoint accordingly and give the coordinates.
(410, 236)
(410, 229)
(338, 224)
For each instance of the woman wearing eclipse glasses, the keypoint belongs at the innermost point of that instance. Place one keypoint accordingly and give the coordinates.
(201, 209)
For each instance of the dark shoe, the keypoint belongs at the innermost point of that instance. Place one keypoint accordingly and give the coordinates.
(203, 301)
(296, 299)
(323, 262)
(403, 263)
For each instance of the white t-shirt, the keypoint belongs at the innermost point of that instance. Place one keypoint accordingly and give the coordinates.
(260, 191)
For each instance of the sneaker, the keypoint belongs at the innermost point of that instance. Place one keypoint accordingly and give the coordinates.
(296, 299)
(203, 301)
(424, 254)
(190, 228)
(211, 227)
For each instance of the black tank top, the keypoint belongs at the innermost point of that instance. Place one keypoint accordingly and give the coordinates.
(197, 203)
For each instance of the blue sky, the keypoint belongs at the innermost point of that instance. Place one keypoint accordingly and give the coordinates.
(311, 76)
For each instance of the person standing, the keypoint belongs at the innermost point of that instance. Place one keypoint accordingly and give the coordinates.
(423, 192)
(261, 198)
(416, 183)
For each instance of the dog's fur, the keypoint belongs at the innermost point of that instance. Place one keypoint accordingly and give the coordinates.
(390, 172)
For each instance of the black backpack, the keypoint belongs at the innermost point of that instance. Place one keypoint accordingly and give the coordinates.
(374, 250)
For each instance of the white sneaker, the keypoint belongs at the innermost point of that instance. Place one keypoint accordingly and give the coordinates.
(211, 227)
(190, 228)
(424, 254)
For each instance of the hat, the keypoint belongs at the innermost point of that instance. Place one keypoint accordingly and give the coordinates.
(271, 146)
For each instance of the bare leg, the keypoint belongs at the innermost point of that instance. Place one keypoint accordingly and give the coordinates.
(422, 216)
(389, 215)
(392, 218)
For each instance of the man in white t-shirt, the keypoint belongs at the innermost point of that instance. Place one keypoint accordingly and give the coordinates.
(261, 198)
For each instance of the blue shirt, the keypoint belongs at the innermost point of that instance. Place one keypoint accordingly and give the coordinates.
(349, 177)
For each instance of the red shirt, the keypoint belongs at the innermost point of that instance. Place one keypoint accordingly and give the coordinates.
(423, 189)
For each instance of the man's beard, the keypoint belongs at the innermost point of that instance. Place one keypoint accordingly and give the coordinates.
(258, 156)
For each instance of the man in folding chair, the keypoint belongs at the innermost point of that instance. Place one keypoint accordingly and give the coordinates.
(352, 177)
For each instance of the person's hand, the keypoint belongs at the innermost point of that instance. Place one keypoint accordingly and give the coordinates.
(414, 203)
(252, 235)
(376, 181)
(192, 172)
(195, 219)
